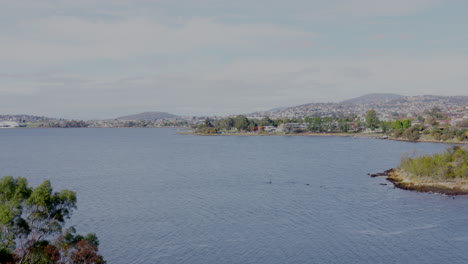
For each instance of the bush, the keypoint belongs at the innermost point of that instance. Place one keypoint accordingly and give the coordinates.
(451, 164)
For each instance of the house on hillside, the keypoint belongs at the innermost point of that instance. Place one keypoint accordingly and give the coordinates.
(269, 129)
(295, 125)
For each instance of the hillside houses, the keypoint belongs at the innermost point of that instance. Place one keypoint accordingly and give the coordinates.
(408, 107)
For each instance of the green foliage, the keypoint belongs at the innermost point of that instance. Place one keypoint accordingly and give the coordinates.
(412, 133)
(397, 133)
(343, 126)
(242, 123)
(31, 222)
(462, 135)
(404, 129)
(13, 193)
(67, 124)
(372, 121)
(386, 126)
(207, 130)
(401, 128)
(406, 123)
(397, 125)
(448, 133)
(401, 124)
(449, 165)
(266, 121)
(208, 123)
(225, 124)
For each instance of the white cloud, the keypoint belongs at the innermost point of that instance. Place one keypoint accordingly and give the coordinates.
(102, 58)
(247, 85)
(168, 9)
(70, 39)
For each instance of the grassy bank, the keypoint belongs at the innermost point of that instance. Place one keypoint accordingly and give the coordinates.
(363, 135)
(445, 173)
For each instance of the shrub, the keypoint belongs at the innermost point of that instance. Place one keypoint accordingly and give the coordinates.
(453, 163)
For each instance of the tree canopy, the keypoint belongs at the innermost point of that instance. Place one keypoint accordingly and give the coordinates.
(372, 121)
(32, 222)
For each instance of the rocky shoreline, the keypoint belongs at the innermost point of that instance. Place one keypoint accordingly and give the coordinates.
(356, 135)
(395, 176)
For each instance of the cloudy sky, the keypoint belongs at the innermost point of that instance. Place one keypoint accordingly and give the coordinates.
(105, 58)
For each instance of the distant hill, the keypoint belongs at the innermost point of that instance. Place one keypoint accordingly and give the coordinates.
(278, 108)
(373, 98)
(386, 105)
(148, 116)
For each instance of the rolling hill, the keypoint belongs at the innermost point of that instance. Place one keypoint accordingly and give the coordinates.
(148, 116)
(373, 98)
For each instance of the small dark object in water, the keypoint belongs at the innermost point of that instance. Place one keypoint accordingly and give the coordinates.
(307, 184)
(383, 184)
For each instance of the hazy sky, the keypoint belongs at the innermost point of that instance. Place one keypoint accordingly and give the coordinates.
(105, 58)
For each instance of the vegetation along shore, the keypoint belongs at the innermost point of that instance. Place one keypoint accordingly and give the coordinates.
(429, 127)
(445, 173)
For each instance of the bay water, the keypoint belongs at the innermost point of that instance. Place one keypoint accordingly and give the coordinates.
(154, 196)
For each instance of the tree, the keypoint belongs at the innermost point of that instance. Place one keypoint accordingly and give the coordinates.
(343, 126)
(315, 124)
(227, 123)
(397, 125)
(241, 122)
(372, 121)
(406, 123)
(31, 223)
(385, 125)
(413, 133)
(208, 122)
(266, 121)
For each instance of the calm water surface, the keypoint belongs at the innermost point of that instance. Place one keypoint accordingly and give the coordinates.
(153, 196)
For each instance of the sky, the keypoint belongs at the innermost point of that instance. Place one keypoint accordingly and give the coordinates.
(97, 59)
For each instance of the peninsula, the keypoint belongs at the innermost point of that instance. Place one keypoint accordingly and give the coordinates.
(431, 126)
(445, 173)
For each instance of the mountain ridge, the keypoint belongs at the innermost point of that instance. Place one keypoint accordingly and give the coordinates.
(382, 103)
(148, 116)
(372, 98)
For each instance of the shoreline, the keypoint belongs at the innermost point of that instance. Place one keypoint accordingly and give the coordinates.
(307, 134)
(357, 135)
(399, 180)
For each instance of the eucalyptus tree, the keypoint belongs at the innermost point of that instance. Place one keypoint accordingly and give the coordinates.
(372, 121)
(32, 222)
(241, 122)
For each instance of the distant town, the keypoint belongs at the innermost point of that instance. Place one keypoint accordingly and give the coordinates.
(428, 112)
